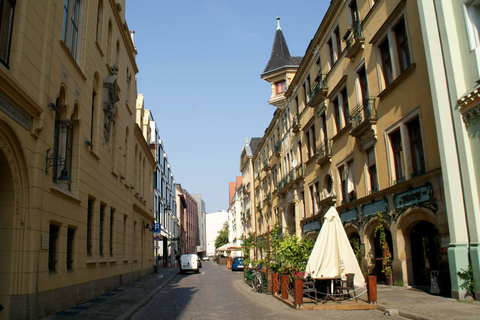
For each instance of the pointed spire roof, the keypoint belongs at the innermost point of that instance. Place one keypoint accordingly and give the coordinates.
(280, 56)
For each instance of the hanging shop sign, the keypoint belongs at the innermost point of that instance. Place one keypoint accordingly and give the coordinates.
(421, 196)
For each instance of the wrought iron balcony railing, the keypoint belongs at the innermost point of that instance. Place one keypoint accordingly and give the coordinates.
(354, 39)
(363, 111)
(324, 151)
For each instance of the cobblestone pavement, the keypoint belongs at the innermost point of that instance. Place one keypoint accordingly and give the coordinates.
(122, 302)
(218, 293)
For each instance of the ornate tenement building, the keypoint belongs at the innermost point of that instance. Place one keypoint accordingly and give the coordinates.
(354, 128)
(75, 182)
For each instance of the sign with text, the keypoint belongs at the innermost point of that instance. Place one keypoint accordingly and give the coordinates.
(156, 229)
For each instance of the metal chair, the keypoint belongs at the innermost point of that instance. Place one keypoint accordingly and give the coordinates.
(348, 285)
(308, 288)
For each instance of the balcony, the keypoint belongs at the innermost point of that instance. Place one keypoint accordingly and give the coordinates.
(278, 148)
(268, 198)
(294, 175)
(324, 152)
(354, 39)
(296, 124)
(319, 91)
(266, 164)
(363, 117)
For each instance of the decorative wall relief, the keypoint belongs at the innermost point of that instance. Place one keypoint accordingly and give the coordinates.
(110, 98)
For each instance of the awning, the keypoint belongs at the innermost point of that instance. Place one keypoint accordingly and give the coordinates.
(228, 247)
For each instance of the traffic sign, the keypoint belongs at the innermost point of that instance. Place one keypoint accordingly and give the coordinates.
(157, 227)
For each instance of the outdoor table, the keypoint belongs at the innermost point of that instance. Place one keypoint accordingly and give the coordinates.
(329, 288)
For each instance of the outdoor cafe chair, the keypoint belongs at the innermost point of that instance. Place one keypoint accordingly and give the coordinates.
(309, 288)
(348, 285)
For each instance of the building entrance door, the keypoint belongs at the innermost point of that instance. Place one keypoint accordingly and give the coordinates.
(379, 255)
(425, 244)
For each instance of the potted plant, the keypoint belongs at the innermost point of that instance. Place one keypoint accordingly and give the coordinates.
(386, 254)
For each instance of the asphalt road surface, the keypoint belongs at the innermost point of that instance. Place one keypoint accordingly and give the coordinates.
(218, 293)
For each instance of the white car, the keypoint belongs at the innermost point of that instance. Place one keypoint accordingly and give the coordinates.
(189, 262)
(206, 258)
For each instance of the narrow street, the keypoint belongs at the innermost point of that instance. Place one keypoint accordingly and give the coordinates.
(218, 293)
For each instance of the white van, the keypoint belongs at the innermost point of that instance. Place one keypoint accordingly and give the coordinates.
(189, 262)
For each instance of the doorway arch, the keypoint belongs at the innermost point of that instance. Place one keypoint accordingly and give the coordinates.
(425, 251)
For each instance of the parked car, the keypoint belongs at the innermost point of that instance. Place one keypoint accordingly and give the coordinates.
(237, 263)
(189, 262)
(205, 258)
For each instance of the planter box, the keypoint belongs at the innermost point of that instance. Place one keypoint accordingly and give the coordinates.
(298, 293)
(275, 283)
(285, 281)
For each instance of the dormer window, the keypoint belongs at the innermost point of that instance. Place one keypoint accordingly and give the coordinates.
(280, 87)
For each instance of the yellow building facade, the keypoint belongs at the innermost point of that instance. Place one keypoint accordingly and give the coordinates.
(75, 181)
(354, 128)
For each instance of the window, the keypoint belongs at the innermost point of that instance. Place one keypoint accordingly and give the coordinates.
(52, 247)
(314, 189)
(372, 170)
(112, 220)
(336, 115)
(70, 235)
(362, 82)
(472, 20)
(306, 89)
(62, 144)
(347, 181)
(134, 234)
(402, 46)
(386, 62)
(89, 226)
(331, 56)
(280, 87)
(346, 119)
(7, 8)
(310, 141)
(323, 127)
(354, 10)
(341, 110)
(393, 51)
(71, 20)
(98, 31)
(338, 44)
(100, 235)
(124, 238)
(416, 145)
(397, 150)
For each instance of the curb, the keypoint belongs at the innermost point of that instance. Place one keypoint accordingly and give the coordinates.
(387, 311)
(132, 310)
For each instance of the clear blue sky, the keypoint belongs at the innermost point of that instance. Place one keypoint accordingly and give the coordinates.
(200, 64)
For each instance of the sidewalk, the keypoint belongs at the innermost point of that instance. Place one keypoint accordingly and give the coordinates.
(412, 303)
(122, 302)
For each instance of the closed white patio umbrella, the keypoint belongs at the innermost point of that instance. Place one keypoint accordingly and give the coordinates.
(333, 256)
